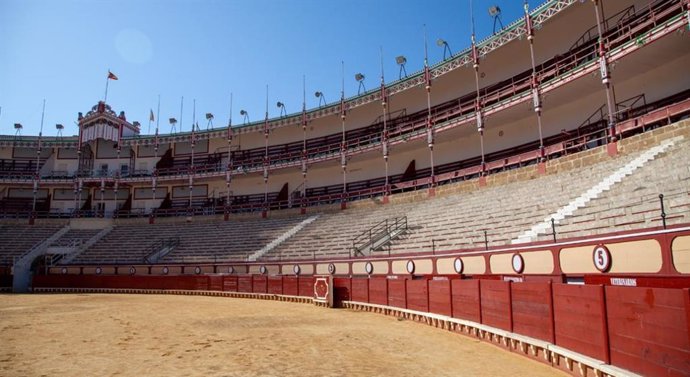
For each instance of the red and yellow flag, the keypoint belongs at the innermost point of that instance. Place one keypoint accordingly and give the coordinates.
(111, 76)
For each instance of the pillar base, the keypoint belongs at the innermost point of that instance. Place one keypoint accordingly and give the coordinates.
(152, 219)
(541, 167)
(343, 205)
(482, 181)
(226, 216)
(303, 210)
(264, 214)
(32, 220)
(385, 199)
(612, 148)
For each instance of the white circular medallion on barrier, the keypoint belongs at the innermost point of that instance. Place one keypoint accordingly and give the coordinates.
(296, 269)
(132, 270)
(63, 270)
(331, 268)
(518, 263)
(458, 265)
(165, 270)
(263, 270)
(410, 267)
(369, 268)
(231, 270)
(602, 258)
(197, 270)
(99, 270)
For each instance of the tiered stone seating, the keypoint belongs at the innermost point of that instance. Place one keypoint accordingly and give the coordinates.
(75, 237)
(634, 202)
(15, 240)
(203, 242)
(457, 221)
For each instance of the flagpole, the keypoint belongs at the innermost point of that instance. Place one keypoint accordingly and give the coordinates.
(38, 158)
(181, 108)
(107, 81)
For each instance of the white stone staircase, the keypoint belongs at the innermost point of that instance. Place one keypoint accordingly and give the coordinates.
(283, 237)
(581, 201)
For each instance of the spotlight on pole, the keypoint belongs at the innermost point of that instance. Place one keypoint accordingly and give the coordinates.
(245, 115)
(59, 127)
(401, 61)
(360, 79)
(18, 127)
(495, 13)
(443, 43)
(209, 117)
(281, 106)
(173, 122)
(321, 97)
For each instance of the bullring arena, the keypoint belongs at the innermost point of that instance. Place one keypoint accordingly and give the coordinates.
(473, 218)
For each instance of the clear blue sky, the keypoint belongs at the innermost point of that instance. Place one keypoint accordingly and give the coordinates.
(61, 50)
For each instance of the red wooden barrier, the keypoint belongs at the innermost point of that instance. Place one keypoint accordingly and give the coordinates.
(378, 291)
(122, 281)
(648, 330)
(275, 285)
(532, 307)
(417, 295)
(465, 300)
(306, 286)
(290, 285)
(244, 284)
(439, 297)
(580, 319)
(230, 283)
(495, 304)
(341, 290)
(360, 290)
(396, 293)
(215, 283)
(259, 283)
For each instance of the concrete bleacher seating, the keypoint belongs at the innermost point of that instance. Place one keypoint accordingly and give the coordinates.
(209, 241)
(15, 240)
(75, 237)
(634, 203)
(458, 221)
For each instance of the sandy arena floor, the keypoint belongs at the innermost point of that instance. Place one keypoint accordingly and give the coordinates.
(138, 335)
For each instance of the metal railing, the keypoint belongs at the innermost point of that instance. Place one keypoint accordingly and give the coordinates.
(379, 234)
(160, 248)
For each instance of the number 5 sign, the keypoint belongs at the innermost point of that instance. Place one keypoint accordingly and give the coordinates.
(602, 258)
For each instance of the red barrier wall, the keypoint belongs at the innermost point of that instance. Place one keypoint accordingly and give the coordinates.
(360, 290)
(580, 319)
(378, 291)
(189, 282)
(465, 299)
(230, 283)
(290, 285)
(417, 295)
(306, 286)
(648, 330)
(439, 297)
(396, 293)
(259, 283)
(275, 285)
(215, 283)
(532, 309)
(244, 284)
(495, 304)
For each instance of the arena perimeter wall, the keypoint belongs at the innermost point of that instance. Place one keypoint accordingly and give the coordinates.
(641, 329)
